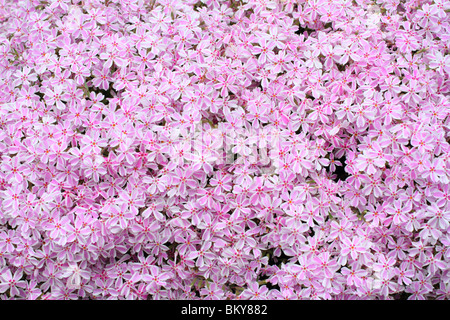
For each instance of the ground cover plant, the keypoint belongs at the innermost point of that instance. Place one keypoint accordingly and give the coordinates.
(253, 149)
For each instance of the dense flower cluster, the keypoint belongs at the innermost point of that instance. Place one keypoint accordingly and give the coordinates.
(253, 149)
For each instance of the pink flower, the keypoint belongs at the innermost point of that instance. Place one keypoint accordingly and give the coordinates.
(384, 266)
(56, 96)
(326, 265)
(75, 274)
(255, 292)
(12, 282)
(25, 77)
(354, 247)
